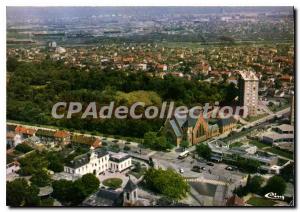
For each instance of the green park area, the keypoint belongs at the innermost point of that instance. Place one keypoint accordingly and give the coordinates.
(113, 183)
(259, 201)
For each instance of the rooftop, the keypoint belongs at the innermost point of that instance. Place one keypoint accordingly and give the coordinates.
(248, 75)
(277, 136)
(285, 127)
(118, 157)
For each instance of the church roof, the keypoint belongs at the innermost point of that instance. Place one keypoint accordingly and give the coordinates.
(190, 122)
(175, 128)
(226, 121)
(130, 186)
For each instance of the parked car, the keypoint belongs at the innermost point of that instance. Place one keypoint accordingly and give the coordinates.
(181, 170)
(229, 168)
(210, 164)
(203, 168)
(196, 169)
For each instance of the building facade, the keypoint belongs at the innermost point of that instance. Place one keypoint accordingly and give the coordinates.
(119, 161)
(97, 161)
(248, 91)
(195, 130)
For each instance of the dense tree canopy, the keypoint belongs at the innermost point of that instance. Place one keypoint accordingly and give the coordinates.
(20, 193)
(73, 193)
(155, 142)
(203, 151)
(40, 178)
(275, 184)
(33, 89)
(24, 148)
(166, 182)
(287, 172)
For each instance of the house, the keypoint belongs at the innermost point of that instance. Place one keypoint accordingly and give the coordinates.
(62, 137)
(233, 80)
(10, 138)
(12, 167)
(10, 127)
(285, 129)
(90, 141)
(25, 132)
(46, 136)
(274, 137)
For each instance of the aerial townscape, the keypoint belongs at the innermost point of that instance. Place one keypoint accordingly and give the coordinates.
(227, 57)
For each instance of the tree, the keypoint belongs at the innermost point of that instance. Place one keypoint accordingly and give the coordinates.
(240, 191)
(73, 193)
(40, 178)
(61, 190)
(184, 144)
(151, 162)
(247, 165)
(149, 139)
(90, 183)
(203, 151)
(32, 163)
(277, 83)
(126, 148)
(56, 166)
(287, 172)
(24, 148)
(275, 184)
(161, 144)
(166, 182)
(248, 182)
(138, 167)
(77, 193)
(55, 161)
(20, 193)
(255, 184)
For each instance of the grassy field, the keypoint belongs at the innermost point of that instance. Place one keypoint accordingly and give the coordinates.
(279, 152)
(258, 201)
(259, 144)
(236, 144)
(113, 182)
(254, 118)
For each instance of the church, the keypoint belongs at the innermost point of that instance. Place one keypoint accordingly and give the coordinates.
(195, 130)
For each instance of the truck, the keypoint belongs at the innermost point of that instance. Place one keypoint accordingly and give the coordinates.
(183, 154)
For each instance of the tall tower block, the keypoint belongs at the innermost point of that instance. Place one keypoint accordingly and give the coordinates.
(248, 91)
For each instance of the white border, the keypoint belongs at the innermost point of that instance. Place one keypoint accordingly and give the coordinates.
(5, 3)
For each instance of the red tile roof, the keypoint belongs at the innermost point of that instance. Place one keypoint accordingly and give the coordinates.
(61, 134)
(24, 130)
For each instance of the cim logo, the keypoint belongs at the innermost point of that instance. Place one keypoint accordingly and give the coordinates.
(274, 196)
